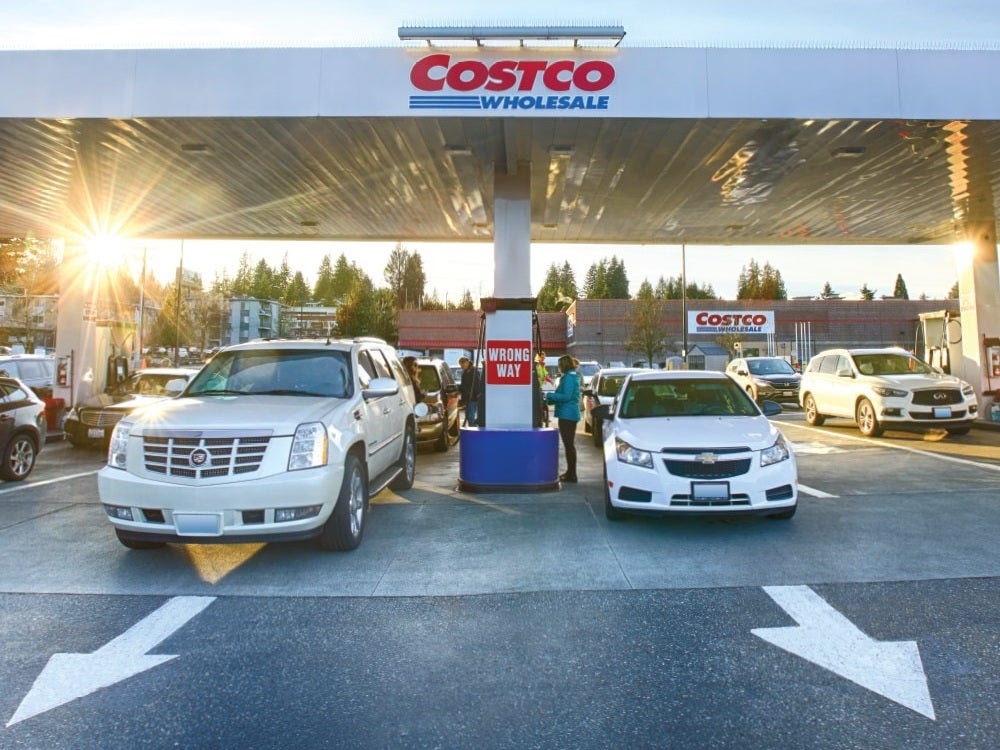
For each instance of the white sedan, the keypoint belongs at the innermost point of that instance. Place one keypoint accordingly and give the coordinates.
(684, 442)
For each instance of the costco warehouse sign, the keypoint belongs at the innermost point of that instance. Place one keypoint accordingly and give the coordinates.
(448, 82)
(733, 321)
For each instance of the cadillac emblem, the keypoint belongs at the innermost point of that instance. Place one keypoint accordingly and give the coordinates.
(198, 458)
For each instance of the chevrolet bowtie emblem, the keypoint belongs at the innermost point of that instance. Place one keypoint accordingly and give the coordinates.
(706, 458)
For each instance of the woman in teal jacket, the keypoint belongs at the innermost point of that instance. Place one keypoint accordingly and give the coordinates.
(566, 398)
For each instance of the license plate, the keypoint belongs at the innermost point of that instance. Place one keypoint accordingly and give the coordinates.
(198, 524)
(95, 432)
(942, 412)
(788, 394)
(709, 490)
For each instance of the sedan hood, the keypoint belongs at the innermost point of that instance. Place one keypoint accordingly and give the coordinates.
(659, 433)
(281, 414)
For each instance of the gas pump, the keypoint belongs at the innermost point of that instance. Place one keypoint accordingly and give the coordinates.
(942, 336)
(117, 371)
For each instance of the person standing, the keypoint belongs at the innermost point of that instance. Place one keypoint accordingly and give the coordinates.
(566, 398)
(412, 368)
(468, 389)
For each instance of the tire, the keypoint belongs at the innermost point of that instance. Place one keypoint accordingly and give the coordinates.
(137, 543)
(958, 430)
(813, 417)
(867, 421)
(598, 433)
(407, 462)
(18, 458)
(587, 427)
(442, 443)
(346, 525)
(610, 512)
(785, 514)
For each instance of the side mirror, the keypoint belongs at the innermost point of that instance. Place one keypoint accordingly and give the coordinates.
(380, 387)
(175, 387)
(845, 374)
(742, 373)
(602, 412)
(770, 408)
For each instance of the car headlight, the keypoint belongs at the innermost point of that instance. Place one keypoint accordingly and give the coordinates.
(118, 447)
(886, 392)
(968, 391)
(309, 446)
(776, 453)
(629, 455)
(761, 381)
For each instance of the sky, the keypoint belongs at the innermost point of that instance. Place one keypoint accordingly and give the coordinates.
(129, 24)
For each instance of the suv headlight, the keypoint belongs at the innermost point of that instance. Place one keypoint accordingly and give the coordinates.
(886, 392)
(629, 455)
(309, 446)
(968, 391)
(776, 453)
(118, 447)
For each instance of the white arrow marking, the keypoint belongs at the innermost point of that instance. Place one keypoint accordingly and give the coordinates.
(827, 638)
(67, 677)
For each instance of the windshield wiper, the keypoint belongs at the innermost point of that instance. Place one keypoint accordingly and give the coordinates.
(217, 392)
(289, 392)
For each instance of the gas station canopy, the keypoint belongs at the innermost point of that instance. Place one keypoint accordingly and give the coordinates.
(735, 146)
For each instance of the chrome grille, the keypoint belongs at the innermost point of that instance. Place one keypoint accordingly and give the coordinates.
(170, 454)
(716, 470)
(99, 417)
(938, 397)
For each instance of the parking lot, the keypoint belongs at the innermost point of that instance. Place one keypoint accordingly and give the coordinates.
(896, 534)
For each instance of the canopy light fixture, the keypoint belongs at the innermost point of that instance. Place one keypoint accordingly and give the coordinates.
(520, 34)
(454, 149)
(561, 152)
(195, 148)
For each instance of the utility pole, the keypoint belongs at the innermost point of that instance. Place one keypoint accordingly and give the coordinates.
(177, 326)
(684, 308)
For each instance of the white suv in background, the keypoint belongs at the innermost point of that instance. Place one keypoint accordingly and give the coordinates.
(271, 441)
(885, 389)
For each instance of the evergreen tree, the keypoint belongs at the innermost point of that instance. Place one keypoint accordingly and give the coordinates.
(297, 292)
(466, 302)
(827, 292)
(953, 292)
(281, 279)
(617, 279)
(323, 291)
(866, 293)
(899, 291)
(262, 284)
(755, 282)
(243, 280)
(548, 295)
(414, 280)
(567, 281)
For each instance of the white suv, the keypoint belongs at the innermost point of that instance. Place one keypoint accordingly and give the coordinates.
(271, 441)
(885, 389)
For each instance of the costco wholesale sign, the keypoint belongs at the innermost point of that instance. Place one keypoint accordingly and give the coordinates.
(734, 321)
(523, 84)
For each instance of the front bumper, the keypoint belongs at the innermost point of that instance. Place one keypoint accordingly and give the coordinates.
(222, 512)
(676, 484)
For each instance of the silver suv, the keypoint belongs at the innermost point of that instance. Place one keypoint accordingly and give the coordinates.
(271, 441)
(885, 389)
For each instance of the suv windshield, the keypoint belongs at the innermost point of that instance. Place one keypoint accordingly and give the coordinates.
(770, 367)
(890, 363)
(275, 372)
